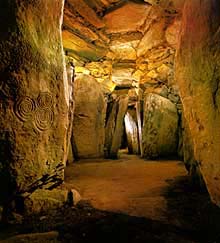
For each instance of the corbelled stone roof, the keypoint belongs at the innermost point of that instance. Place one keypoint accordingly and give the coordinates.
(90, 25)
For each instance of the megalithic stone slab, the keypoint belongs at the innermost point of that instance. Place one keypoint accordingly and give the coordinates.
(33, 101)
(116, 141)
(131, 129)
(87, 13)
(114, 127)
(197, 73)
(160, 136)
(139, 111)
(89, 118)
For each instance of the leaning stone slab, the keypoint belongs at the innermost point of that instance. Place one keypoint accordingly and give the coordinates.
(160, 127)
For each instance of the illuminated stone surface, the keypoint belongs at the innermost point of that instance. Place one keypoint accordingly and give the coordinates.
(129, 46)
(132, 131)
(114, 126)
(33, 97)
(130, 17)
(197, 66)
(159, 127)
(89, 117)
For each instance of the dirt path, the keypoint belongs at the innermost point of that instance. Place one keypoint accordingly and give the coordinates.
(129, 185)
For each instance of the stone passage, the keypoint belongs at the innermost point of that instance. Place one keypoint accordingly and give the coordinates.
(128, 47)
(147, 79)
(129, 185)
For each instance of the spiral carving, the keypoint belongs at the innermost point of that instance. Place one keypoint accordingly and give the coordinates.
(39, 111)
(43, 119)
(45, 100)
(24, 108)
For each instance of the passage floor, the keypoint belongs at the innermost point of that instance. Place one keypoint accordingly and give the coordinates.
(129, 200)
(129, 185)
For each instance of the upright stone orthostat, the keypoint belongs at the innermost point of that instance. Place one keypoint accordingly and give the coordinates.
(89, 117)
(131, 129)
(114, 126)
(33, 97)
(159, 138)
(197, 72)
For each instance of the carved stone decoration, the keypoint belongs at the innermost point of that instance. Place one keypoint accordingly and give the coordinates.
(24, 108)
(33, 97)
(38, 111)
(43, 119)
(45, 100)
(44, 116)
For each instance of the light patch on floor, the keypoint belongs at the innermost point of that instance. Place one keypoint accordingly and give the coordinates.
(129, 185)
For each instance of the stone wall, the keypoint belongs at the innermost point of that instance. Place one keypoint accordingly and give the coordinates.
(197, 73)
(33, 101)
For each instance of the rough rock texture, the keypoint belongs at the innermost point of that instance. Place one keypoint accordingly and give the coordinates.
(70, 70)
(197, 72)
(43, 200)
(114, 126)
(46, 237)
(131, 129)
(172, 32)
(152, 38)
(190, 162)
(89, 117)
(136, 39)
(101, 71)
(72, 43)
(83, 37)
(171, 5)
(139, 111)
(129, 17)
(159, 127)
(33, 101)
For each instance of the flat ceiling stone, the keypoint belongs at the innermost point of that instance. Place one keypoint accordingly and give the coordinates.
(71, 22)
(87, 13)
(153, 37)
(81, 48)
(128, 18)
